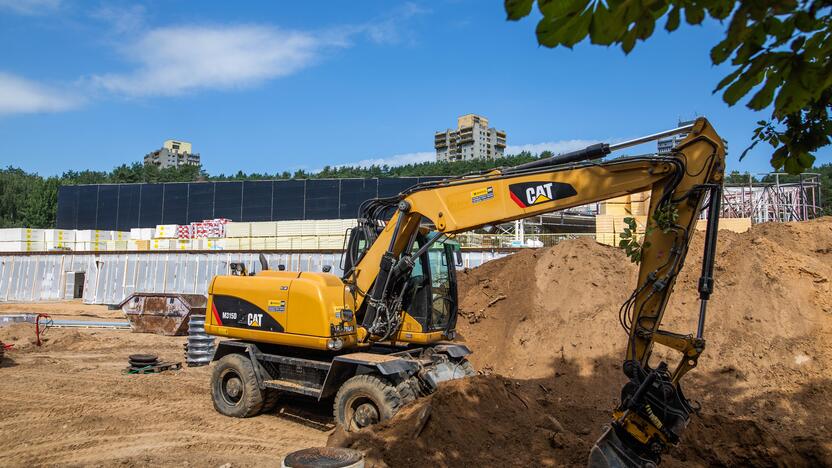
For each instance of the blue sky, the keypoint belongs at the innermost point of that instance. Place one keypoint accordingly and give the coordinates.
(273, 86)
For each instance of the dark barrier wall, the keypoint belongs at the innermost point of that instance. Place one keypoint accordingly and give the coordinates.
(124, 206)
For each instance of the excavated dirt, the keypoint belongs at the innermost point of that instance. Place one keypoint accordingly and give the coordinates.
(544, 327)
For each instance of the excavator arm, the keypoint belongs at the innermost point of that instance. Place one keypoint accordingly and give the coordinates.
(653, 410)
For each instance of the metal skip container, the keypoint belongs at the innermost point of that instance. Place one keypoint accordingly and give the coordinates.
(162, 313)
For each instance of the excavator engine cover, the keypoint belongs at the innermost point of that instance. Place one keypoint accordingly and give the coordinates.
(307, 310)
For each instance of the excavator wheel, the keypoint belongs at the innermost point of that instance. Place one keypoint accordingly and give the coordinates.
(365, 400)
(270, 400)
(408, 388)
(234, 387)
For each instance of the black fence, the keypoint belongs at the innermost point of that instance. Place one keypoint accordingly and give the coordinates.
(124, 206)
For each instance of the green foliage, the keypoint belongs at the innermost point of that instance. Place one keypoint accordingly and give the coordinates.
(665, 217)
(739, 178)
(630, 243)
(780, 49)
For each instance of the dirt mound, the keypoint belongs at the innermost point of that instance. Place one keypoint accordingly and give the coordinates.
(481, 421)
(547, 319)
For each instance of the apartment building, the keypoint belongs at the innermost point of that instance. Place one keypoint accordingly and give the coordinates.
(472, 139)
(173, 153)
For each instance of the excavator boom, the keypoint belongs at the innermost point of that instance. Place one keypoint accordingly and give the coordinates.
(653, 410)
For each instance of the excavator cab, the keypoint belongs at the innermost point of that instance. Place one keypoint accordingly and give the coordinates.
(429, 294)
(431, 298)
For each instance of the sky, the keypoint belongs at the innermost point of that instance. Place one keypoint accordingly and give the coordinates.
(274, 86)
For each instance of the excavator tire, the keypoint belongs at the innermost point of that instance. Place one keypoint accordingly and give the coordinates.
(270, 400)
(364, 400)
(234, 387)
(409, 389)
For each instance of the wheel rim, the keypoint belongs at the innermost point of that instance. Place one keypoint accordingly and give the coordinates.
(231, 387)
(362, 412)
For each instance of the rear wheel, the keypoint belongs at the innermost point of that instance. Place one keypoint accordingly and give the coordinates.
(365, 400)
(270, 399)
(234, 387)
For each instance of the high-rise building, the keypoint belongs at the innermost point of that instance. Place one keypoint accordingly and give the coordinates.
(173, 153)
(472, 139)
(666, 145)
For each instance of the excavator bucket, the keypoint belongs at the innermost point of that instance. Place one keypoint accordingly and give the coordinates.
(610, 451)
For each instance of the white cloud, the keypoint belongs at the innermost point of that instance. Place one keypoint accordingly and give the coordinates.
(21, 96)
(555, 147)
(121, 19)
(30, 7)
(179, 59)
(387, 29)
(395, 160)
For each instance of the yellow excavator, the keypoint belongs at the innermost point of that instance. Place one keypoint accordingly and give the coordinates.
(381, 334)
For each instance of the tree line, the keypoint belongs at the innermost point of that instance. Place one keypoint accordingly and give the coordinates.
(30, 200)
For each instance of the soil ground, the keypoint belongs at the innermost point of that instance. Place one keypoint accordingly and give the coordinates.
(69, 402)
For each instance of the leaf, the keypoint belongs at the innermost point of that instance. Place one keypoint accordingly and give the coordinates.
(721, 51)
(720, 9)
(559, 8)
(750, 147)
(792, 165)
(672, 20)
(518, 9)
(741, 87)
(764, 96)
(778, 159)
(728, 79)
(577, 29)
(628, 41)
(602, 29)
(791, 98)
(805, 160)
(694, 14)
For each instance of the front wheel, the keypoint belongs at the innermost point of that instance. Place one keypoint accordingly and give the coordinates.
(365, 400)
(234, 387)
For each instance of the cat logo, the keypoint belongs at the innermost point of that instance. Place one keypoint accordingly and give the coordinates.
(528, 194)
(254, 320)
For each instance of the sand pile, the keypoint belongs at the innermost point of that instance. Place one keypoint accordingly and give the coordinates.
(456, 427)
(547, 320)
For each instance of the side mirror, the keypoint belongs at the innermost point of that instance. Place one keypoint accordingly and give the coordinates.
(326, 268)
(238, 269)
(281, 268)
(264, 264)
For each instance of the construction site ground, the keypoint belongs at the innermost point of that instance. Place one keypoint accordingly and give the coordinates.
(543, 325)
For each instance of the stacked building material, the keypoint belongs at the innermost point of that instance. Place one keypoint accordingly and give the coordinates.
(59, 239)
(184, 231)
(609, 223)
(22, 240)
(166, 231)
(209, 228)
(288, 235)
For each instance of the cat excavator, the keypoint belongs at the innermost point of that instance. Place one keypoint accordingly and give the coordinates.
(381, 334)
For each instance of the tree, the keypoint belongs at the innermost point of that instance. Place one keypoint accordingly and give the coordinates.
(781, 49)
